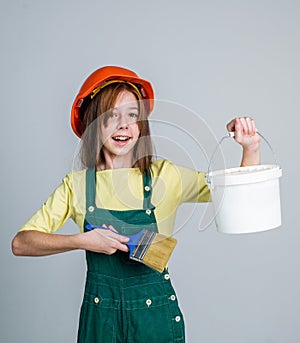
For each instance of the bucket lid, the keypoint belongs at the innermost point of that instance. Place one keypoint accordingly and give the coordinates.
(244, 175)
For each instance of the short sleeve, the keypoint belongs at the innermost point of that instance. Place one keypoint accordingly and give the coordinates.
(55, 210)
(194, 186)
(177, 184)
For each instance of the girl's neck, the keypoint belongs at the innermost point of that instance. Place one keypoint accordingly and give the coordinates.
(116, 162)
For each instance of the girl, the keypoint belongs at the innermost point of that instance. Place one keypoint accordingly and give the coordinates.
(124, 190)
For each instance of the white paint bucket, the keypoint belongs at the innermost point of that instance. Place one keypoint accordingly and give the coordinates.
(246, 199)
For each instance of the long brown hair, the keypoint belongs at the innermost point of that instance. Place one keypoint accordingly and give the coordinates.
(98, 108)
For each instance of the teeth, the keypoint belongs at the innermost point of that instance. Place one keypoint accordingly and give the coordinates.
(121, 138)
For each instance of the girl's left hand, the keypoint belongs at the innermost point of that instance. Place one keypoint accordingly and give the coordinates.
(245, 132)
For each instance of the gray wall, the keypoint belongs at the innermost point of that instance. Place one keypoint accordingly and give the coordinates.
(219, 59)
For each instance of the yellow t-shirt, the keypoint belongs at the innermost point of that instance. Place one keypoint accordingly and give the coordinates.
(122, 189)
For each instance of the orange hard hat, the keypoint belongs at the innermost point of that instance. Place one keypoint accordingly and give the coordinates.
(101, 76)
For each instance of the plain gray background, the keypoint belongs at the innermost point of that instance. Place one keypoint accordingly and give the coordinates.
(218, 58)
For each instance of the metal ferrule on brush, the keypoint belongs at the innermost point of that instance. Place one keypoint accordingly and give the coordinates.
(142, 246)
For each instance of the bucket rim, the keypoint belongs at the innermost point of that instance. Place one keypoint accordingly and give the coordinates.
(244, 175)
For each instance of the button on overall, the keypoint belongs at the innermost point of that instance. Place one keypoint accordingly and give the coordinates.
(124, 300)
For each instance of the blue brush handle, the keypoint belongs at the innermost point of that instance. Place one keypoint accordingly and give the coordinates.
(133, 240)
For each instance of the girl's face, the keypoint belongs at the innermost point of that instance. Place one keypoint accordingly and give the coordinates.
(121, 131)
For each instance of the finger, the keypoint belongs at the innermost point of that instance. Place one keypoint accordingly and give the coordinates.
(231, 125)
(117, 236)
(244, 124)
(116, 244)
(112, 228)
(120, 240)
(104, 226)
(122, 247)
(251, 126)
(242, 130)
(254, 124)
(238, 128)
(254, 130)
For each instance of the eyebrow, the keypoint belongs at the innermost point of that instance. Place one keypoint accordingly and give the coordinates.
(129, 108)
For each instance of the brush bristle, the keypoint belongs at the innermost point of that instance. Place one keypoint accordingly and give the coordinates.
(159, 252)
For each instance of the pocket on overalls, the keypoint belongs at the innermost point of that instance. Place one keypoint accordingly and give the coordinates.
(98, 319)
(155, 319)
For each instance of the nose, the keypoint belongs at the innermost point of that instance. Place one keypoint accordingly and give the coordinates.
(123, 122)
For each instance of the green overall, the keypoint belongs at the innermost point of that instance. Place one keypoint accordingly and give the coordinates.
(124, 300)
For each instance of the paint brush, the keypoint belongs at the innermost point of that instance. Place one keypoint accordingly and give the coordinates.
(150, 248)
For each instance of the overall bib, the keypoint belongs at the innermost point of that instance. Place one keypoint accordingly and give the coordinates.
(124, 300)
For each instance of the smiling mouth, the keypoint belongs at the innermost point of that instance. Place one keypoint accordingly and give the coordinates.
(121, 138)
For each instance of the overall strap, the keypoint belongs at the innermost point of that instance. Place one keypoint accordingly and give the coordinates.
(147, 181)
(90, 188)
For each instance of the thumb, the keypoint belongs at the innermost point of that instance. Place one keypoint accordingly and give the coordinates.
(238, 128)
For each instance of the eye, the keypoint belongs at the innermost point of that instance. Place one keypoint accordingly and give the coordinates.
(113, 115)
(133, 115)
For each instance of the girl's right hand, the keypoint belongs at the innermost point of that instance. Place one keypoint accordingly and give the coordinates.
(104, 241)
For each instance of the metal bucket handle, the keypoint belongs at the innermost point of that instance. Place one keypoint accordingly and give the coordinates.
(231, 135)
